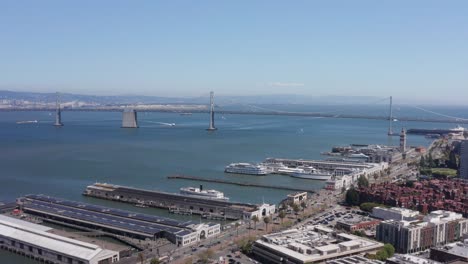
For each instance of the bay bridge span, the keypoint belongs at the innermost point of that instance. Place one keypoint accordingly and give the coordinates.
(433, 116)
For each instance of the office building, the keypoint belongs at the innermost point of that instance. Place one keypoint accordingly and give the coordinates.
(436, 229)
(464, 160)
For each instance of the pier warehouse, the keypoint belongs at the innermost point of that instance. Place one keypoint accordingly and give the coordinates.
(193, 205)
(33, 241)
(115, 221)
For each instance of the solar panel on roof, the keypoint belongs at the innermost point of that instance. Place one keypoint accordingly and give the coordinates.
(100, 218)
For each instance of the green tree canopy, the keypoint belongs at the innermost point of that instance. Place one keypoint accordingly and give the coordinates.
(363, 182)
(352, 197)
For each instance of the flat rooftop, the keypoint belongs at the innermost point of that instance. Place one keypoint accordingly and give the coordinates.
(141, 224)
(307, 245)
(410, 259)
(355, 260)
(457, 248)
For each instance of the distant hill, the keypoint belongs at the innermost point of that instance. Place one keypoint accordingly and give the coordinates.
(220, 99)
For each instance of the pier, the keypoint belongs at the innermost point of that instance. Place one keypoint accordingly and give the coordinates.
(176, 203)
(194, 178)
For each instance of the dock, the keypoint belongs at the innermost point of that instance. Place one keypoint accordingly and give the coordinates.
(194, 178)
(175, 203)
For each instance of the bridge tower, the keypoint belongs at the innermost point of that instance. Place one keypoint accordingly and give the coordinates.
(390, 119)
(58, 113)
(212, 114)
(403, 140)
(129, 119)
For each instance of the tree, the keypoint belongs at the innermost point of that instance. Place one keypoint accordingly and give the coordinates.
(282, 215)
(141, 257)
(352, 197)
(205, 256)
(296, 209)
(422, 162)
(389, 249)
(155, 261)
(363, 182)
(266, 220)
(367, 207)
(303, 205)
(255, 220)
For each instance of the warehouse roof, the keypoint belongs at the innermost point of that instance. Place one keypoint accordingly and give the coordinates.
(35, 235)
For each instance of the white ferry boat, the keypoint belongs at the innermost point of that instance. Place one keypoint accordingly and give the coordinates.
(312, 175)
(199, 192)
(246, 168)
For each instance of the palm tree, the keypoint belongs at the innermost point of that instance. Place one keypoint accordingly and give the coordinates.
(282, 215)
(237, 228)
(266, 220)
(303, 205)
(255, 219)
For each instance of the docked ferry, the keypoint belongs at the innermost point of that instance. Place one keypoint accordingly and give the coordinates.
(199, 192)
(246, 168)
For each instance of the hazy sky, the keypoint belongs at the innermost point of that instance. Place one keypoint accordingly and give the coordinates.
(173, 48)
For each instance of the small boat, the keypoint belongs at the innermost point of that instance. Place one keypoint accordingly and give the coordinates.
(27, 122)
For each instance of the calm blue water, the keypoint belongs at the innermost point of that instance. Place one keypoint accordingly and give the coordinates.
(91, 147)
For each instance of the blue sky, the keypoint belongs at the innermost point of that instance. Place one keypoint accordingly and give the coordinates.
(414, 49)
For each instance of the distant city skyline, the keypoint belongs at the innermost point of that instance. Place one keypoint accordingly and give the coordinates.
(414, 50)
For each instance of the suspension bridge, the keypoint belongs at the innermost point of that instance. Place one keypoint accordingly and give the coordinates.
(386, 112)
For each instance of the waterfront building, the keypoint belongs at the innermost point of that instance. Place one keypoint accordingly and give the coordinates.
(116, 221)
(306, 244)
(263, 210)
(437, 228)
(464, 160)
(296, 198)
(209, 208)
(394, 213)
(33, 241)
(457, 251)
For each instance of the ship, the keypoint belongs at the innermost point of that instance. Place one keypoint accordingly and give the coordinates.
(312, 175)
(27, 122)
(246, 168)
(422, 131)
(200, 193)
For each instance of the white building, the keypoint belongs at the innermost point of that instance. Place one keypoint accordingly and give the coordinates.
(33, 240)
(196, 233)
(394, 213)
(306, 245)
(261, 211)
(464, 160)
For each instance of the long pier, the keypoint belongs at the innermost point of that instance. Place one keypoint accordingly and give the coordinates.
(194, 178)
(270, 113)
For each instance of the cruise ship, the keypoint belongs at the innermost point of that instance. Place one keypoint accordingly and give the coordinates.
(246, 168)
(200, 193)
